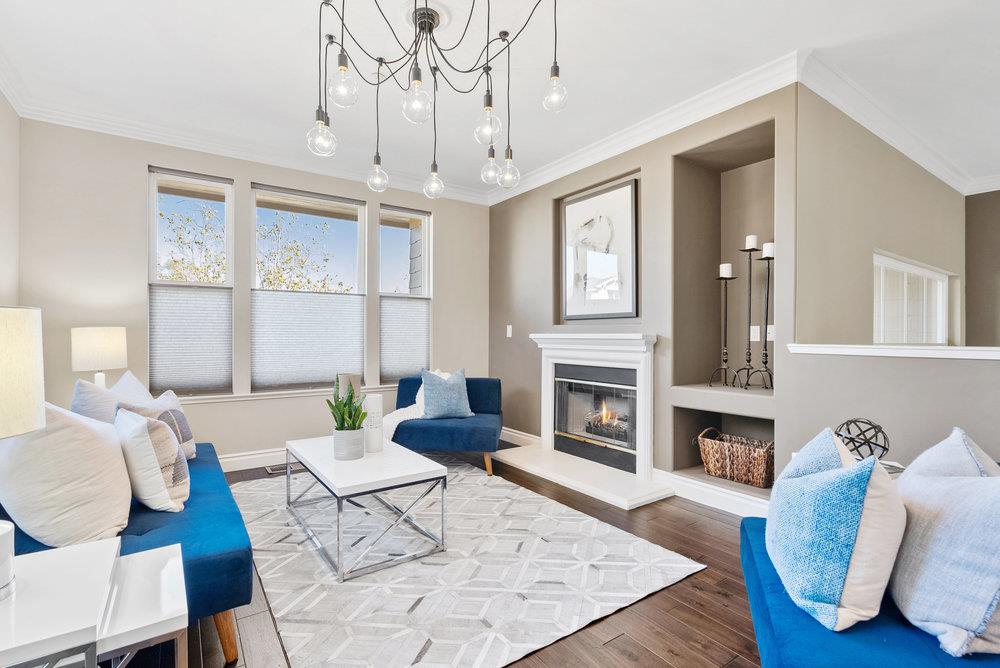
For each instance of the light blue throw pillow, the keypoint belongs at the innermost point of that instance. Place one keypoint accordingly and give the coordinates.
(445, 397)
(947, 575)
(833, 529)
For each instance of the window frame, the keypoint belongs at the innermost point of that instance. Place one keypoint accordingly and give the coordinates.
(426, 218)
(940, 278)
(361, 251)
(155, 175)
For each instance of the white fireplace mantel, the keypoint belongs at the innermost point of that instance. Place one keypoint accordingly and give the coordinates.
(628, 350)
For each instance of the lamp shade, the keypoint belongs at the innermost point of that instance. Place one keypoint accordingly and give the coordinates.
(98, 348)
(22, 380)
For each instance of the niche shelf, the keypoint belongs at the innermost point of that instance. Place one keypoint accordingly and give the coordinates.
(755, 402)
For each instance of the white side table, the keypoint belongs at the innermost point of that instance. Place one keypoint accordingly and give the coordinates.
(57, 603)
(146, 605)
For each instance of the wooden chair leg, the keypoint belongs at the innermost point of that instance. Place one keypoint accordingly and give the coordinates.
(489, 463)
(225, 625)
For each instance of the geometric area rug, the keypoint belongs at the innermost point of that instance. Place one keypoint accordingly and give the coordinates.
(520, 571)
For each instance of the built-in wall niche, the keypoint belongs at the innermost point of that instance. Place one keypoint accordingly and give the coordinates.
(689, 423)
(723, 191)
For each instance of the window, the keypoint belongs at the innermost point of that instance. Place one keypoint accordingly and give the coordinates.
(404, 293)
(911, 302)
(190, 285)
(308, 302)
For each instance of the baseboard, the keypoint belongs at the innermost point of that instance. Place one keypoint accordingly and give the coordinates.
(707, 494)
(519, 437)
(240, 461)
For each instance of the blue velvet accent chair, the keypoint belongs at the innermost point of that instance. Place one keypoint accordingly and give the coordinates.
(479, 433)
(215, 547)
(788, 636)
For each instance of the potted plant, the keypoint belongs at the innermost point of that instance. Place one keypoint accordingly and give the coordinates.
(349, 418)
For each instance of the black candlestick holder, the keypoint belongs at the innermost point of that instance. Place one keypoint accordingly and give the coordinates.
(747, 368)
(724, 371)
(766, 376)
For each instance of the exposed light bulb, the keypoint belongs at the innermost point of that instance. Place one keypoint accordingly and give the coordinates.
(417, 104)
(342, 88)
(378, 180)
(320, 139)
(487, 130)
(555, 94)
(509, 174)
(490, 172)
(433, 186)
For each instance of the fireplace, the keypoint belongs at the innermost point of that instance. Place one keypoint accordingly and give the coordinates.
(595, 414)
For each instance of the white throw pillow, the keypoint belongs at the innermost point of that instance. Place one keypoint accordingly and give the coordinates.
(66, 483)
(155, 461)
(947, 575)
(167, 408)
(100, 403)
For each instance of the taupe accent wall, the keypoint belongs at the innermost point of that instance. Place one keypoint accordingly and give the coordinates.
(845, 173)
(857, 194)
(830, 176)
(982, 269)
(522, 259)
(84, 232)
(10, 133)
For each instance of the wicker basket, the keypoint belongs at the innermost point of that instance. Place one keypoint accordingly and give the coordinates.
(746, 460)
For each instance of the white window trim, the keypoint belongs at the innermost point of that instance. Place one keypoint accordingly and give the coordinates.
(882, 261)
(227, 186)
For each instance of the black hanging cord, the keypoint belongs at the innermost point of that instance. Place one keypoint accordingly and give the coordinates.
(343, 19)
(555, 32)
(434, 113)
(319, 55)
(326, 69)
(508, 97)
(378, 88)
(468, 21)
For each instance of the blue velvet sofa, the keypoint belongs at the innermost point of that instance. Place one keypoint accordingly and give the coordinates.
(218, 559)
(479, 433)
(787, 636)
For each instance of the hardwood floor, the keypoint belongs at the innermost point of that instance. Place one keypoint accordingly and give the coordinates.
(703, 620)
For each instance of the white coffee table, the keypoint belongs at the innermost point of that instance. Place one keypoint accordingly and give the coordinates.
(392, 468)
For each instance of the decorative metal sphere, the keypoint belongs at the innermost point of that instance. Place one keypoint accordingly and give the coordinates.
(863, 437)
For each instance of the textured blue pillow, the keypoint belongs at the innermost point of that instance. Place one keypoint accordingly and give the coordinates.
(445, 397)
(833, 529)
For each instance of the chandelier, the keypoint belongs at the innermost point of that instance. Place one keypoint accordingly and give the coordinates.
(419, 105)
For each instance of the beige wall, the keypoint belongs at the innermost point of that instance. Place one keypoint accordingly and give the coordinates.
(845, 174)
(10, 133)
(83, 245)
(982, 269)
(857, 194)
(522, 253)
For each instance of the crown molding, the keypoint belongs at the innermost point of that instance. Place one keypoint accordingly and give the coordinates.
(847, 96)
(226, 146)
(738, 90)
(984, 184)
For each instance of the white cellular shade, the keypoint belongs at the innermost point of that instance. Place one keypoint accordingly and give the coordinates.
(190, 339)
(98, 348)
(22, 381)
(304, 339)
(405, 335)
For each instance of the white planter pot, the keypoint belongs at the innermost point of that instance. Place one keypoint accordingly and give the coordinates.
(349, 444)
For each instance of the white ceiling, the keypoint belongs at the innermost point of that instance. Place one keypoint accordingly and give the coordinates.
(240, 78)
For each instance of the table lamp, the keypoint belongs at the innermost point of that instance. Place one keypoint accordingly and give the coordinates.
(22, 401)
(98, 349)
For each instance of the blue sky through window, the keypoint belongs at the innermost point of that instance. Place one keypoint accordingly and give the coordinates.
(308, 251)
(394, 259)
(191, 239)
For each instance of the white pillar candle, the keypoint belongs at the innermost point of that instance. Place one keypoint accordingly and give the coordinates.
(768, 249)
(725, 270)
(373, 423)
(6, 557)
(751, 241)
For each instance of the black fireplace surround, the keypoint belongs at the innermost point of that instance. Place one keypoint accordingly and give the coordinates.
(595, 414)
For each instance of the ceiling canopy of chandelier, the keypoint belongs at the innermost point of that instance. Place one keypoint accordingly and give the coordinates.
(419, 105)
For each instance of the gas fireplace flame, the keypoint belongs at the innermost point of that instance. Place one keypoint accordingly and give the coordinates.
(606, 416)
